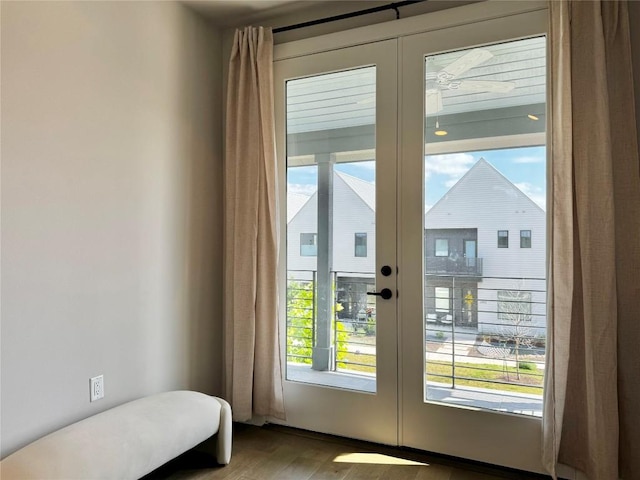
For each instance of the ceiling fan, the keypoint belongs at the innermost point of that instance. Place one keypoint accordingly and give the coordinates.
(446, 79)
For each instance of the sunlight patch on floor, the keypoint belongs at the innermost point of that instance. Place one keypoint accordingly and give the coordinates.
(374, 458)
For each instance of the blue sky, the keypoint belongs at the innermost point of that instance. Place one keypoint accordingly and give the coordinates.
(525, 167)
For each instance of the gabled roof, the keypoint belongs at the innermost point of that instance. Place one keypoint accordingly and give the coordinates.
(295, 202)
(366, 191)
(465, 186)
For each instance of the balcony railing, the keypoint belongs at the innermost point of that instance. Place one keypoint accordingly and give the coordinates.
(353, 325)
(489, 342)
(454, 266)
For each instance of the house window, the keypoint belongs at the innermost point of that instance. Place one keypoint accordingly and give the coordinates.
(360, 244)
(443, 299)
(308, 244)
(503, 238)
(525, 238)
(514, 306)
(442, 247)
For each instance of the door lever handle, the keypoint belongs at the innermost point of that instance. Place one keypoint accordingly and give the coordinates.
(385, 293)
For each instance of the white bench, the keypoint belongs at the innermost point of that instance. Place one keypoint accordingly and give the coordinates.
(126, 442)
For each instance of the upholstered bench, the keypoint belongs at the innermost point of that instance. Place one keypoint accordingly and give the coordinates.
(128, 441)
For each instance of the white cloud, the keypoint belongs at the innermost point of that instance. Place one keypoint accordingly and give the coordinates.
(453, 165)
(301, 188)
(530, 159)
(534, 192)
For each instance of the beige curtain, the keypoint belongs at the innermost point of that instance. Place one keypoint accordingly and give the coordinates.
(592, 392)
(253, 382)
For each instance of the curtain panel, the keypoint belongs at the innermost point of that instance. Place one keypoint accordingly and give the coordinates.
(591, 419)
(252, 375)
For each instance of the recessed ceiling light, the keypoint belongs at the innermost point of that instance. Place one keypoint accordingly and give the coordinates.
(533, 117)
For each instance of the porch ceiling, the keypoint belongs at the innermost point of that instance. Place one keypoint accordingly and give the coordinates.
(335, 112)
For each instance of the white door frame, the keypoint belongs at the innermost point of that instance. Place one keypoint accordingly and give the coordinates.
(495, 20)
(463, 432)
(452, 17)
(319, 407)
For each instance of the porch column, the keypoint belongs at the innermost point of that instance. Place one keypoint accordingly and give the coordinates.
(321, 356)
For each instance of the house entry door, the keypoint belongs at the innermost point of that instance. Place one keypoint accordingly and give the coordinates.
(414, 311)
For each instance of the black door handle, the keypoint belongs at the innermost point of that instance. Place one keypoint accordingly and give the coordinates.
(385, 293)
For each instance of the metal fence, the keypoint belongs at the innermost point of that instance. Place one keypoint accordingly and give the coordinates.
(488, 335)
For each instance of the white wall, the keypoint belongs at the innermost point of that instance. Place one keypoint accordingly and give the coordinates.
(305, 221)
(111, 208)
(350, 215)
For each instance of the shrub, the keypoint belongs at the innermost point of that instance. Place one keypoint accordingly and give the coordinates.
(526, 366)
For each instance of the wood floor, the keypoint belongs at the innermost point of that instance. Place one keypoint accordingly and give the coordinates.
(280, 453)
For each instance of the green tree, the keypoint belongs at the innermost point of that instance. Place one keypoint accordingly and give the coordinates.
(301, 313)
(300, 318)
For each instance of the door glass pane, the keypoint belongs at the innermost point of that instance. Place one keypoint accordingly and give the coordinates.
(331, 321)
(485, 173)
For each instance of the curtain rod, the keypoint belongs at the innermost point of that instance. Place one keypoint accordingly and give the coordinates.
(358, 13)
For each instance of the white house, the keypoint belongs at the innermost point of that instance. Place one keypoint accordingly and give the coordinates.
(353, 228)
(353, 244)
(484, 249)
(485, 245)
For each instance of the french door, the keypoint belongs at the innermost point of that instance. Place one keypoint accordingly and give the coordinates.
(415, 233)
(337, 111)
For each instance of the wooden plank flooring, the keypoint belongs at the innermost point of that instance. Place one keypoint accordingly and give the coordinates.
(281, 453)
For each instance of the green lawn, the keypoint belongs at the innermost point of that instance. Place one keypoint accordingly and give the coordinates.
(482, 375)
(479, 375)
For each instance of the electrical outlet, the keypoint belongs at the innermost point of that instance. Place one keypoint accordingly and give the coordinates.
(97, 388)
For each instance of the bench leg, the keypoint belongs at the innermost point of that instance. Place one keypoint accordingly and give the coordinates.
(224, 438)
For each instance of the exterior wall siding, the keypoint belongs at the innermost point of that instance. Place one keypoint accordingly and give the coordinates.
(479, 205)
(350, 215)
(485, 200)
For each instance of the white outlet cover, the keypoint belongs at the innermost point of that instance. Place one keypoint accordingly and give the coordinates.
(96, 388)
